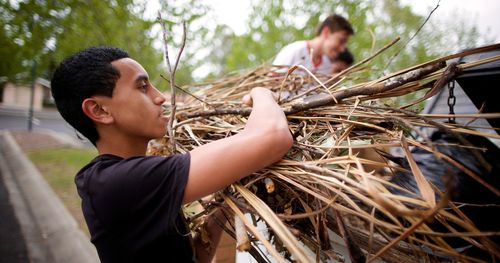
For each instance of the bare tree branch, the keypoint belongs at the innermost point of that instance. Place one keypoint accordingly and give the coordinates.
(187, 92)
(412, 37)
(172, 76)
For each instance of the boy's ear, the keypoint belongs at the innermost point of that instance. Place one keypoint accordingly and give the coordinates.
(94, 109)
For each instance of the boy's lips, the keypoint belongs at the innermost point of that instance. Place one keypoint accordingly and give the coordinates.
(164, 116)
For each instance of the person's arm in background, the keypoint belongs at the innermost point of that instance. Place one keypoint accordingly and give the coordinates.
(264, 140)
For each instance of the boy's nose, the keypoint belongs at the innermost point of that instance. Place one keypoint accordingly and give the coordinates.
(159, 100)
(159, 97)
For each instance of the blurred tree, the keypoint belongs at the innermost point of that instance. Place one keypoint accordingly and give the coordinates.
(273, 24)
(48, 31)
(23, 32)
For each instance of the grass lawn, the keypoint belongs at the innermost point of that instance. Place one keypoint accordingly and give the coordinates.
(59, 167)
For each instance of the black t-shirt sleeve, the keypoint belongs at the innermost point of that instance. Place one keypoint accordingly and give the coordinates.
(141, 194)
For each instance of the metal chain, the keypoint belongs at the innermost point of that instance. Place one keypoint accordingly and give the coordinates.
(451, 100)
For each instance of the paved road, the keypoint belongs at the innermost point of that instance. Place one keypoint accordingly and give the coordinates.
(17, 118)
(13, 118)
(12, 244)
(13, 248)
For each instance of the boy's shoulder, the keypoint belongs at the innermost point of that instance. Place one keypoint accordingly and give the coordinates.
(111, 171)
(296, 46)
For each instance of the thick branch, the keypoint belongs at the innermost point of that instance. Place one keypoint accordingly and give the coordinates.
(451, 72)
(377, 88)
(327, 99)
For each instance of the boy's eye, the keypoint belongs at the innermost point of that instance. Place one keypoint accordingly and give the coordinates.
(144, 88)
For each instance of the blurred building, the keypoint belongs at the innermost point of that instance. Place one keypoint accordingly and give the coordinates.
(20, 95)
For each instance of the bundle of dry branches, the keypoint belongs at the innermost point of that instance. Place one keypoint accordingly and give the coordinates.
(339, 176)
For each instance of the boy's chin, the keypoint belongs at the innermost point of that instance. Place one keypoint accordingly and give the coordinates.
(161, 135)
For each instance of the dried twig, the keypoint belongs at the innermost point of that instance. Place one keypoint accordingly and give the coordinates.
(327, 167)
(172, 72)
(187, 92)
(451, 72)
(376, 88)
(327, 99)
(412, 37)
(355, 252)
(242, 241)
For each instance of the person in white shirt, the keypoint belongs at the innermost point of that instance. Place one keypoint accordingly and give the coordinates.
(316, 54)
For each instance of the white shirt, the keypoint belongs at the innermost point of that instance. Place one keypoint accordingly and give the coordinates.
(297, 53)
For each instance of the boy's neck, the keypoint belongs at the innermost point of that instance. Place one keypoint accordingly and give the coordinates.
(122, 147)
(315, 45)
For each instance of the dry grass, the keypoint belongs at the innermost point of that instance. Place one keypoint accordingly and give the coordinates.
(330, 179)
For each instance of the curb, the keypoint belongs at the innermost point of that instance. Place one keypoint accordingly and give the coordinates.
(50, 232)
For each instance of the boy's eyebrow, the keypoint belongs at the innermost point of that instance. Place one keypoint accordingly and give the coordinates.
(141, 78)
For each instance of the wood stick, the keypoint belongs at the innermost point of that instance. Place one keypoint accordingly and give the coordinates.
(376, 88)
(242, 241)
(451, 72)
(327, 99)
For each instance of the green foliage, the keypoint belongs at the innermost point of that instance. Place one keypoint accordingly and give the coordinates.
(50, 30)
(273, 24)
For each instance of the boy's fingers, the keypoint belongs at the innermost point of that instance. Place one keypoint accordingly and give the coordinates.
(247, 99)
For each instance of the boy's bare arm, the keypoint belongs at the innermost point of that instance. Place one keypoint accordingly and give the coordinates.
(264, 140)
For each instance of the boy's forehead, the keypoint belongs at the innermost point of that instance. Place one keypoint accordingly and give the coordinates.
(340, 33)
(128, 66)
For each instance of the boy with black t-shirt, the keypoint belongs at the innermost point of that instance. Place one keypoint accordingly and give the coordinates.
(132, 202)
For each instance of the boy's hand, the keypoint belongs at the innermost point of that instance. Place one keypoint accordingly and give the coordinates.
(258, 93)
(217, 164)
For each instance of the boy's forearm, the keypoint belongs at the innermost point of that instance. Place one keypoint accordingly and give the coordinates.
(214, 231)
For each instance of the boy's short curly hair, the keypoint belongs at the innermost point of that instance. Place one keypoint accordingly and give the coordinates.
(84, 74)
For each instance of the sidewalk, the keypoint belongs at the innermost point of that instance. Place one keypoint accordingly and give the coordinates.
(50, 232)
(12, 110)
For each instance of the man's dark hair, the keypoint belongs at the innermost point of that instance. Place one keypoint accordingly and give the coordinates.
(345, 56)
(335, 23)
(84, 74)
